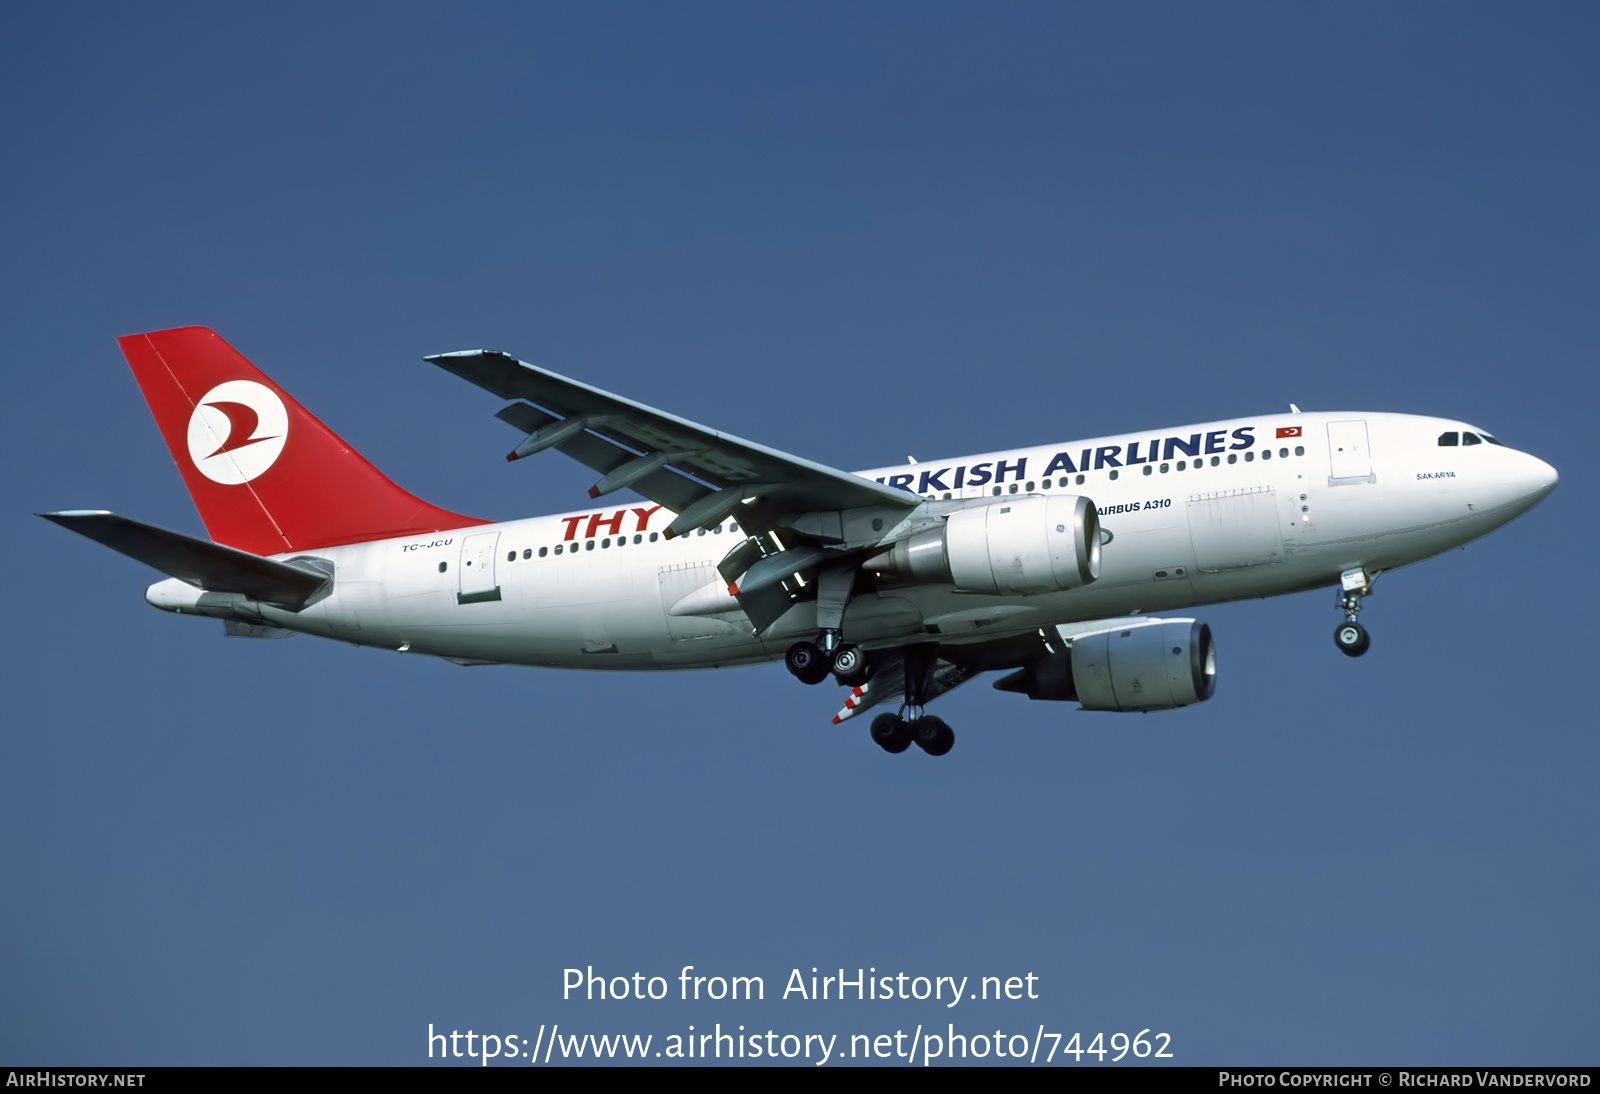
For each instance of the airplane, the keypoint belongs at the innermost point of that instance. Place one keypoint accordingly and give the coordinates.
(900, 583)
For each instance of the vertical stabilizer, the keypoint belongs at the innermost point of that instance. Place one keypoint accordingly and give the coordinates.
(265, 474)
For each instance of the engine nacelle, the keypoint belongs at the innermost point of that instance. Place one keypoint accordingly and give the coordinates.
(1158, 664)
(1033, 544)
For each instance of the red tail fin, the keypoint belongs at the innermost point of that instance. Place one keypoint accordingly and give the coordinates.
(266, 476)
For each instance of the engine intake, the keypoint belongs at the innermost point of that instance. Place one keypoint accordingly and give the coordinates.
(1151, 665)
(1033, 544)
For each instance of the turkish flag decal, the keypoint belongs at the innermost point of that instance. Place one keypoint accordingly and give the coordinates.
(1288, 431)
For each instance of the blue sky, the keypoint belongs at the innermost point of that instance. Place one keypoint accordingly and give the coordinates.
(850, 232)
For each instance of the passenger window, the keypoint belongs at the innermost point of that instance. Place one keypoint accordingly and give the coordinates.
(1233, 457)
(511, 556)
(1470, 438)
(1249, 457)
(1181, 465)
(701, 532)
(1147, 469)
(717, 530)
(1080, 480)
(1164, 468)
(1113, 474)
(1215, 460)
(653, 536)
(543, 551)
(1449, 440)
(638, 539)
(1030, 488)
(443, 566)
(558, 548)
(1267, 454)
(997, 491)
(1299, 450)
(947, 497)
(589, 546)
(1046, 485)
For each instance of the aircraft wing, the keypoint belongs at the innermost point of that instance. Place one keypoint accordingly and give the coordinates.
(655, 453)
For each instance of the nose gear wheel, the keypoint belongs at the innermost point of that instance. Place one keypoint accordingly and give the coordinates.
(1351, 637)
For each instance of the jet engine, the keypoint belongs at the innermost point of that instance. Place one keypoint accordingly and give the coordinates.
(1033, 544)
(1156, 664)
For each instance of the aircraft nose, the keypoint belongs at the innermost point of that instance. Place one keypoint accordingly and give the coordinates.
(1536, 478)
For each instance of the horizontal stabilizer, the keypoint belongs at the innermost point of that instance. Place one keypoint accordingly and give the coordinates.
(201, 563)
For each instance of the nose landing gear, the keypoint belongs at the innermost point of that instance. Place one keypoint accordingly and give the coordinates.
(1351, 637)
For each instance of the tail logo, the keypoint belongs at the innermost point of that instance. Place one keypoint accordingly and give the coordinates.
(237, 431)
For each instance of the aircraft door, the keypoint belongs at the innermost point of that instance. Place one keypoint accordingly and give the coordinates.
(1349, 455)
(476, 570)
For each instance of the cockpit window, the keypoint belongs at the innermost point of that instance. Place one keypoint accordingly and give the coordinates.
(1491, 440)
(1470, 438)
(1449, 440)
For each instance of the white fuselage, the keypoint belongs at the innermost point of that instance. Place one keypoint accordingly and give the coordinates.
(1212, 518)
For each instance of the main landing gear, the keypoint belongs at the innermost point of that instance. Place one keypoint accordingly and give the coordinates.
(896, 732)
(812, 662)
(1351, 637)
(806, 662)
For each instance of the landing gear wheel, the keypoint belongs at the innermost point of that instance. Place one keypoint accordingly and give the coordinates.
(932, 735)
(891, 733)
(1351, 638)
(806, 662)
(850, 666)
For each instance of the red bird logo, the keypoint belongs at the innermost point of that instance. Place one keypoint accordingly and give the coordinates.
(242, 422)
